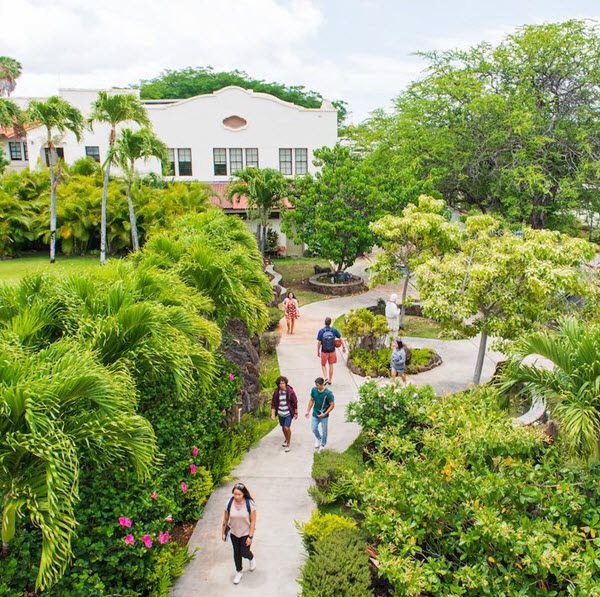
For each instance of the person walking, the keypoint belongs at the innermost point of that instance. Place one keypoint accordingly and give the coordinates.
(291, 310)
(398, 362)
(239, 522)
(322, 403)
(328, 339)
(285, 404)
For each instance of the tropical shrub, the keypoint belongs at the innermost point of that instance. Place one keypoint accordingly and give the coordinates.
(377, 362)
(338, 566)
(461, 503)
(320, 526)
(364, 330)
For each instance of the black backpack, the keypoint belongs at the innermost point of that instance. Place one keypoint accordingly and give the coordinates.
(328, 341)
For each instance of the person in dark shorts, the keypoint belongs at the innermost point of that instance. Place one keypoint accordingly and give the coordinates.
(328, 339)
(285, 404)
(398, 361)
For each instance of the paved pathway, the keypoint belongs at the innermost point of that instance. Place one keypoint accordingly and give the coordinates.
(279, 481)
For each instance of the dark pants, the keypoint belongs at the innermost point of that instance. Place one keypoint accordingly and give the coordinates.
(240, 550)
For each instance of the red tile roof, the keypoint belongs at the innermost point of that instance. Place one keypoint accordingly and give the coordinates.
(239, 203)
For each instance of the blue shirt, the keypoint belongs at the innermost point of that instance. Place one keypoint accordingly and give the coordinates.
(325, 329)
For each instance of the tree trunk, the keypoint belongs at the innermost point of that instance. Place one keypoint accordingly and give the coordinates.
(52, 208)
(134, 233)
(404, 293)
(480, 357)
(103, 216)
(263, 241)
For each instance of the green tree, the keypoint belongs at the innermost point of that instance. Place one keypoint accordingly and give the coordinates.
(501, 283)
(130, 147)
(11, 116)
(265, 191)
(57, 114)
(10, 71)
(114, 109)
(407, 240)
(512, 128)
(571, 386)
(190, 81)
(333, 209)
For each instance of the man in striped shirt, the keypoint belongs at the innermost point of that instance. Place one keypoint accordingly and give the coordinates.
(285, 404)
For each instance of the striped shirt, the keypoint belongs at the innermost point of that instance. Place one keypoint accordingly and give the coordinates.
(283, 410)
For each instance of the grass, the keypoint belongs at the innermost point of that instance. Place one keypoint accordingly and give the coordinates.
(295, 272)
(269, 371)
(418, 327)
(12, 270)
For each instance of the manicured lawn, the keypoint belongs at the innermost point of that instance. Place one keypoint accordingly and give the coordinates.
(295, 273)
(12, 270)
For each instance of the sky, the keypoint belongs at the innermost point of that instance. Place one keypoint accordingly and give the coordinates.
(360, 51)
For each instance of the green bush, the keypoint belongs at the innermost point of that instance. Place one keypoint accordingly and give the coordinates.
(320, 526)
(377, 362)
(364, 330)
(165, 566)
(275, 315)
(84, 167)
(338, 566)
(200, 487)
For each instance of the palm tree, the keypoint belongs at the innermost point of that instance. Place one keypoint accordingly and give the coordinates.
(114, 110)
(55, 113)
(572, 386)
(265, 191)
(11, 115)
(130, 147)
(54, 406)
(10, 71)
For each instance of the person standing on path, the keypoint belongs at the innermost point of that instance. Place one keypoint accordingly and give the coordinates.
(392, 315)
(328, 339)
(239, 522)
(291, 310)
(285, 404)
(398, 362)
(322, 403)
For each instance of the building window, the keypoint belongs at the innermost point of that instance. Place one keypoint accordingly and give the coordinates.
(93, 151)
(220, 162)
(252, 157)
(184, 161)
(60, 153)
(25, 152)
(15, 151)
(235, 160)
(285, 161)
(172, 161)
(301, 161)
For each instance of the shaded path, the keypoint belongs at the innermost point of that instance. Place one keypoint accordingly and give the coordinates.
(279, 481)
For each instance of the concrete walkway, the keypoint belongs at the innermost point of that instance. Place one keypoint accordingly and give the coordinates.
(279, 481)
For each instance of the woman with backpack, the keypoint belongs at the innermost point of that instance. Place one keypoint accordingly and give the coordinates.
(239, 522)
(398, 361)
(291, 310)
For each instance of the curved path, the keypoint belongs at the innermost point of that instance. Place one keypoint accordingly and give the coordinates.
(279, 481)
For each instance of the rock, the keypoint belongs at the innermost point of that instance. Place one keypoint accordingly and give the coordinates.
(278, 295)
(321, 270)
(270, 341)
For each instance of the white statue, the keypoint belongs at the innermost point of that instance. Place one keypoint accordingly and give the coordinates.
(392, 314)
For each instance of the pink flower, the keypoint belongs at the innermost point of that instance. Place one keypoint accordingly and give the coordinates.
(129, 540)
(169, 518)
(147, 541)
(241, 391)
(124, 522)
(193, 469)
(195, 451)
(154, 495)
(163, 537)
(231, 376)
(183, 486)
(223, 412)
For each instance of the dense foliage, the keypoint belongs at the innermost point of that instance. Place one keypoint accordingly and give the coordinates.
(105, 365)
(512, 128)
(25, 210)
(188, 82)
(459, 502)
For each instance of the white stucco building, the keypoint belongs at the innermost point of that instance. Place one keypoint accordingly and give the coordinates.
(210, 137)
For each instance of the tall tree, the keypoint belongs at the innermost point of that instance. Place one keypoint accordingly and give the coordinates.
(333, 210)
(10, 71)
(57, 114)
(114, 109)
(421, 231)
(513, 128)
(501, 284)
(130, 147)
(265, 190)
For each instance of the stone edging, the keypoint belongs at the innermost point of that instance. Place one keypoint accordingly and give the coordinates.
(336, 289)
(434, 361)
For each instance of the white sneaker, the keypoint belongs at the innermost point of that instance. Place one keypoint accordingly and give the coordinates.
(252, 564)
(287, 449)
(318, 443)
(237, 578)
(321, 448)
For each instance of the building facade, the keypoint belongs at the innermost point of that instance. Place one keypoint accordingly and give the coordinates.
(209, 138)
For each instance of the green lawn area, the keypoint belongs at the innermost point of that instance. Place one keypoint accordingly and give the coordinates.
(12, 270)
(295, 273)
(419, 327)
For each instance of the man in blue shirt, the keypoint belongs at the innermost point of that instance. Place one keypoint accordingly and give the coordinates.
(321, 402)
(326, 345)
